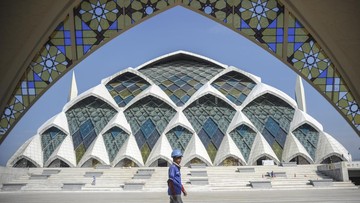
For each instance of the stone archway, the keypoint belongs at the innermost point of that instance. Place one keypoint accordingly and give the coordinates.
(93, 23)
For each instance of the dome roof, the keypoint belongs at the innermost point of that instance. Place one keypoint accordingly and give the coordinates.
(212, 112)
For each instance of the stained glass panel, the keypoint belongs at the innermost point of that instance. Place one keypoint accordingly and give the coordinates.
(235, 86)
(148, 118)
(308, 137)
(244, 137)
(114, 139)
(179, 138)
(180, 79)
(210, 118)
(125, 87)
(272, 117)
(50, 140)
(86, 120)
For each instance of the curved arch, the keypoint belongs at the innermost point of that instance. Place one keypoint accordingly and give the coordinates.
(127, 162)
(233, 160)
(300, 159)
(49, 163)
(27, 162)
(278, 31)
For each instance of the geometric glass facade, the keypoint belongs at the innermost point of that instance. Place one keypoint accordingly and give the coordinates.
(180, 79)
(234, 86)
(308, 137)
(179, 138)
(86, 119)
(114, 139)
(125, 87)
(50, 140)
(244, 137)
(143, 120)
(148, 118)
(271, 116)
(210, 117)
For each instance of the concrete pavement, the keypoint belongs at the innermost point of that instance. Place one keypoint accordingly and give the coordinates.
(249, 196)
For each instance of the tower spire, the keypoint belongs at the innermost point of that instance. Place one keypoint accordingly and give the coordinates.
(73, 88)
(300, 94)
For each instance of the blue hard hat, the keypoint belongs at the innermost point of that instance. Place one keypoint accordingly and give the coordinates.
(176, 153)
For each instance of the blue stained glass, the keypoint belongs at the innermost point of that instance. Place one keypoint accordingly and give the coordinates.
(153, 138)
(204, 137)
(297, 45)
(272, 46)
(291, 31)
(87, 48)
(329, 81)
(36, 77)
(210, 127)
(279, 38)
(31, 84)
(79, 37)
(67, 34)
(89, 139)
(128, 99)
(62, 49)
(244, 24)
(85, 128)
(147, 128)
(178, 131)
(291, 38)
(140, 138)
(273, 24)
(85, 26)
(323, 74)
(298, 24)
(113, 26)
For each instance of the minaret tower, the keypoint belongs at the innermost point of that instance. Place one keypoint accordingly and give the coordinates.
(300, 94)
(73, 88)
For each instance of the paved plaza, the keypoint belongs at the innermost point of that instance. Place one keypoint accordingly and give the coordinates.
(293, 196)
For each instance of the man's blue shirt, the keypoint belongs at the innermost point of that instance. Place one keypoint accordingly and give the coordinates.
(175, 177)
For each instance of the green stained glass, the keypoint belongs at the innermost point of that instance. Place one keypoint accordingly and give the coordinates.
(50, 140)
(179, 138)
(145, 152)
(244, 137)
(272, 117)
(308, 137)
(235, 86)
(114, 139)
(181, 83)
(210, 117)
(86, 119)
(148, 119)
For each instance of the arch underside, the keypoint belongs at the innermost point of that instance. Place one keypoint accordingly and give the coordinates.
(269, 25)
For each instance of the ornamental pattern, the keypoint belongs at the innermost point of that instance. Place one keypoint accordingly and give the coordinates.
(50, 140)
(114, 139)
(244, 137)
(210, 117)
(125, 87)
(308, 137)
(86, 120)
(179, 138)
(234, 86)
(271, 116)
(148, 118)
(180, 79)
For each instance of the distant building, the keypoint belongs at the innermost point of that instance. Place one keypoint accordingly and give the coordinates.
(216, 114)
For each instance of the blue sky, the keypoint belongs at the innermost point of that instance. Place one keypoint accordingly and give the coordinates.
(173, 30)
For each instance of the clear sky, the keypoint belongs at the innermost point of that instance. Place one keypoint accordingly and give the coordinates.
(173, 30)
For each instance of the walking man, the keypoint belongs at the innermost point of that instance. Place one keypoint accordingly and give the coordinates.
(174, 182)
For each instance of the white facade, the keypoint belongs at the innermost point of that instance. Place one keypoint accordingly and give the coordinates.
(326, 146)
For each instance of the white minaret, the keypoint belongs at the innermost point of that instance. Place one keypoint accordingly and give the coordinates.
(73, 88)
(300, 94)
